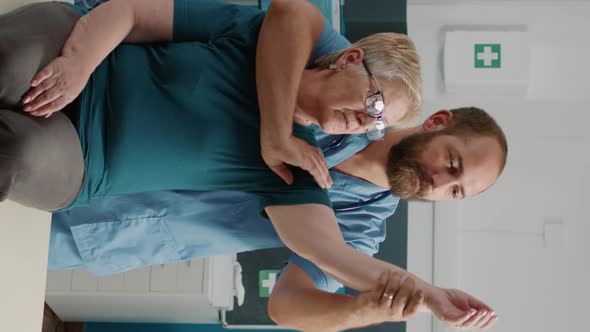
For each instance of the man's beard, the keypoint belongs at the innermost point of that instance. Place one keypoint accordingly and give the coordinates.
(404, 170)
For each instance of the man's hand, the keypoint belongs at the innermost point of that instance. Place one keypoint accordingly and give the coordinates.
(390, 301)
(296, 152)
(461, 310)
(55, 86)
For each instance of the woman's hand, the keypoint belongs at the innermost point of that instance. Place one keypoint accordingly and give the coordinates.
(390, 301)
(55, 86)
(295, 151)
(460, 310)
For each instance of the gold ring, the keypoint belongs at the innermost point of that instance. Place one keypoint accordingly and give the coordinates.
(389, 296)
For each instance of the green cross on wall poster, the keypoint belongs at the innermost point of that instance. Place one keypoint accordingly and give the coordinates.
(488, 55)
(266, 281)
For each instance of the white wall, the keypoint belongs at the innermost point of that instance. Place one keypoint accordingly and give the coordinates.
(24, 242)
(502, 254)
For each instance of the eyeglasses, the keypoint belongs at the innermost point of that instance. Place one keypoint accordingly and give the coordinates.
(375, 105)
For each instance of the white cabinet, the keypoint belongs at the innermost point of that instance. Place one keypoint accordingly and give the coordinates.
(187, 292)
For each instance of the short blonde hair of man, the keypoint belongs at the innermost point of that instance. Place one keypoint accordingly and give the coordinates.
(390, 56)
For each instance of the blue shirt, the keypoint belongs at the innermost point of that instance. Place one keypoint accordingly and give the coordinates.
(116, 234)
(119, 234)
(184, 115)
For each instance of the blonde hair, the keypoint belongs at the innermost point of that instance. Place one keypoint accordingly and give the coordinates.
(390, 56)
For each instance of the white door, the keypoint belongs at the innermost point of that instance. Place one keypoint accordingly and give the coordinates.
(521, 247)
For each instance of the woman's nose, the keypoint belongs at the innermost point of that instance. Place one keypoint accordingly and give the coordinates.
(364, 119)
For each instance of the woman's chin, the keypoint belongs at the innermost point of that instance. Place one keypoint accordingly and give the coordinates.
(333, 130)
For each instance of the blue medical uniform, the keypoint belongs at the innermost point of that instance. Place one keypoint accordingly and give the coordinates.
(117, 234)
(184, 115)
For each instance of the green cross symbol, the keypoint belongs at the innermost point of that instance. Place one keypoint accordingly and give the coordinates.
(266, 282)
(488, 56)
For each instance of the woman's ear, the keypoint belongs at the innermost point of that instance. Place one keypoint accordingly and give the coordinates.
(351, 56)
(438, 121)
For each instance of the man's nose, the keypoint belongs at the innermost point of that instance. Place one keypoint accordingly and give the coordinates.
(442, 180)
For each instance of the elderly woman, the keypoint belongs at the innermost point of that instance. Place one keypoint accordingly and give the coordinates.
(185, 116)
(137, 87)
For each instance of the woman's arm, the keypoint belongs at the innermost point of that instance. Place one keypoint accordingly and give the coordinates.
(296, 303)
(290, 30)
(311, 231)
(286, 39)
(108, 25)
(100, 31)
(94, 36)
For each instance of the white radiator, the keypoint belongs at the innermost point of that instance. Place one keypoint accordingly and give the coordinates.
(188, 292)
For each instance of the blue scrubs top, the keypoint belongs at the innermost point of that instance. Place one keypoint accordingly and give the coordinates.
(117, 234)
(184, 115)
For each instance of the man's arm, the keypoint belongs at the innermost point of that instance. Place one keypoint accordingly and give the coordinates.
(297, 303)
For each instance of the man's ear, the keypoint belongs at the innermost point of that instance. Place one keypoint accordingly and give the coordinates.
(351, 56)
(437, 121)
